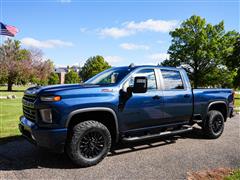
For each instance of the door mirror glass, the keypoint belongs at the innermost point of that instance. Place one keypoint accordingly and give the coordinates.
(140, 85)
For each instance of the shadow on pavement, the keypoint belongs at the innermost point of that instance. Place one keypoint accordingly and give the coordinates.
(9, 139)
(18, 154)
(156, 142)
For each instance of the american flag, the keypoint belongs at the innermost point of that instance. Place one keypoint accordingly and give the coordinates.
(8, 30)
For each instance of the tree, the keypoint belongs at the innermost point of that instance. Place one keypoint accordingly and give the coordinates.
(233, 62)
(53, 79)
(14, 61)
(220, 77)
(19, 65)
(236, 79)
(43, 70)
(200, 48)
(72, 77)
(93, 66)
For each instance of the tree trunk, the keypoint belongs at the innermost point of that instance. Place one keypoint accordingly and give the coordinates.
(195, 84)
(10, 84)
(195, 80)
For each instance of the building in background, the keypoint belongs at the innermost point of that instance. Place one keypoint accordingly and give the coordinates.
(62, 71)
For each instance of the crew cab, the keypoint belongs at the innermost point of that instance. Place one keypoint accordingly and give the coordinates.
(121, 104)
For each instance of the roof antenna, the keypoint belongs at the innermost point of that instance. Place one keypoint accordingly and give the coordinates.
(131, 65)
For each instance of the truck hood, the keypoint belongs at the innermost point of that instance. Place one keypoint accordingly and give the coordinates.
(58, 88)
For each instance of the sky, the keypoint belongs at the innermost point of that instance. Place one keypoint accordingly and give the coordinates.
(123, 32)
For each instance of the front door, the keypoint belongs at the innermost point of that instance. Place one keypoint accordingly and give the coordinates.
(142, 110)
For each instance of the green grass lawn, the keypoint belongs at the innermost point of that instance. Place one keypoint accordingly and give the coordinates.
(234, 176)
(237, 100)
(10, 111)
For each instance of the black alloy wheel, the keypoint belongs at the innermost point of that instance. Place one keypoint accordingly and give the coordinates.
(88, 143)
(91, 144)
(217, 124)
(213, 125)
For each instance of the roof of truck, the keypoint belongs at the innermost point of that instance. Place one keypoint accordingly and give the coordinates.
(149, 66)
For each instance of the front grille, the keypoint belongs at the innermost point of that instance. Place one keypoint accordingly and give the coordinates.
(29, 113)
(28, 107)
(30, 98)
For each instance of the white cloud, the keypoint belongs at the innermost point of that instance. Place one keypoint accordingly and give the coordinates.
(113, 60)
(52, 43)
(158, 57)
(115, 32)
(132, 27)
(131, 46)
(153, 25)
(155, 59)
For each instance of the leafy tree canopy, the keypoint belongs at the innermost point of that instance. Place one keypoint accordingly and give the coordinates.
(93, 66)
(201, 48)
(14, 62)
(72, 77)
(233, 62)
(53, 79)
(19, 65)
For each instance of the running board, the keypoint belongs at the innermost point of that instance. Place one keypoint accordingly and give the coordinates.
(131, 139)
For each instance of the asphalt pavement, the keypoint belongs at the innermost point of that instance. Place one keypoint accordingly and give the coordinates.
(162, 158)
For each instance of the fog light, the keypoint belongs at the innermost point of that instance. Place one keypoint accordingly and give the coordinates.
(46, 115)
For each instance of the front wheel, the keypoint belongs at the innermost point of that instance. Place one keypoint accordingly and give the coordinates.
(89, 143)
(214, 124)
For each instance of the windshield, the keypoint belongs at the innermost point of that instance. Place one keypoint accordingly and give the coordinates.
(110, 76)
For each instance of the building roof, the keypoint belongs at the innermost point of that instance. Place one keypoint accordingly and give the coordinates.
(61, 69)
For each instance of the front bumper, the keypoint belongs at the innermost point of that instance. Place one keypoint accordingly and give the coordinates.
(53, 139)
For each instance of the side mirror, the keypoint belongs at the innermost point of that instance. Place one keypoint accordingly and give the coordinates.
(140, 85)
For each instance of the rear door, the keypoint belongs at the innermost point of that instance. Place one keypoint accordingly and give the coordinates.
(177, 97)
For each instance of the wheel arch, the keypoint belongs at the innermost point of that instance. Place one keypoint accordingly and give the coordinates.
(219, 106)
(94, 113)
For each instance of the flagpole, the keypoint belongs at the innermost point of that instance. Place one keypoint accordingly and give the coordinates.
(1, 19)
(1, 94)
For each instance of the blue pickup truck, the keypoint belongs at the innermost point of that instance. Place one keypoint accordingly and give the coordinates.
(121, 104)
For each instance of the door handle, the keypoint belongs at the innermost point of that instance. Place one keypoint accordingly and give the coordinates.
(186, 96)
(156, 97)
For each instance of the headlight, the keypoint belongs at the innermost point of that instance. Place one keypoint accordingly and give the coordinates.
(50, 98)
(46, 115)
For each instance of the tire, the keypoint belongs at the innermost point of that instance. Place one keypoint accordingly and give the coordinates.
(214, 124)
(89, 143)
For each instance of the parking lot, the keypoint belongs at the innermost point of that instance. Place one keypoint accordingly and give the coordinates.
(165, 158)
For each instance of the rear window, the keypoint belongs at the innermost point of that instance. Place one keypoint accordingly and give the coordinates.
(172, 79)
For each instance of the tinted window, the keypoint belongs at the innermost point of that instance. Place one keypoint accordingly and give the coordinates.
(110, 76)
(149, 73)
(172, 79)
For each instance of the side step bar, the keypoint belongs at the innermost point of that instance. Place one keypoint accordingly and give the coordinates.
(131, 139)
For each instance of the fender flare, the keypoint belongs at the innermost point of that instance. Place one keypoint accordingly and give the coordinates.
(83, 110)
(218, 102)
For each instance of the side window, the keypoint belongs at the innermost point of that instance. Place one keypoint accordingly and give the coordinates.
(172, 79)
(149, 73)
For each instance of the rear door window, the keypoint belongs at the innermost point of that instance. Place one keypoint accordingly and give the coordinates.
(172, 79)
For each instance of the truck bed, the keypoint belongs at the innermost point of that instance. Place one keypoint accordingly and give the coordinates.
(203, 97)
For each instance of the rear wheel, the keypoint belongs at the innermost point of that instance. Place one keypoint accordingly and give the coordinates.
(89, 143)
(214, 124)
